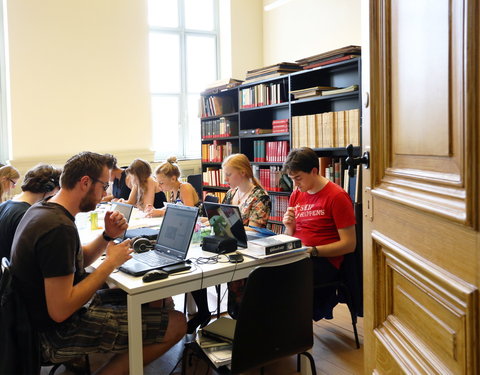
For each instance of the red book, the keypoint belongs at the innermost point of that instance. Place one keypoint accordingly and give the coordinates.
(280, 122)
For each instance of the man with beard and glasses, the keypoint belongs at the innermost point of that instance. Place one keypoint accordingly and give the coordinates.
(48, 263)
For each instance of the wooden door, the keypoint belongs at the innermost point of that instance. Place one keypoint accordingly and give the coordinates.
(421, 196)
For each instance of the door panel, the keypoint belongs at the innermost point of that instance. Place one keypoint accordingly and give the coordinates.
(421, 239)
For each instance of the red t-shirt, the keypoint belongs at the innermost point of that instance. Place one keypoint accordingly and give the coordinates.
(319, 216)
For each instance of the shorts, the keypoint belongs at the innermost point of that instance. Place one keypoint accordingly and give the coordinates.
(102, 327)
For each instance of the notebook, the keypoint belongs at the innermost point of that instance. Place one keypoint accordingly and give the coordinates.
(226, 221)
(172, 243)
(221, 329)
(126, 210)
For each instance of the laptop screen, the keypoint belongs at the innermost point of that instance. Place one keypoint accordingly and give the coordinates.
(226, 221)
(125, 209)
(176, 230)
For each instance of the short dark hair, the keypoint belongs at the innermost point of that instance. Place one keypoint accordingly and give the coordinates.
(302, 159)
(111, 161)
(85, 163)
(41, 179)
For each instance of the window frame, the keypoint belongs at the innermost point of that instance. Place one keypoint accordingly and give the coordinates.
(183, 95)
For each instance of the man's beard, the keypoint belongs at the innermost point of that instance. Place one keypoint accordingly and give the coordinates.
(88, 202)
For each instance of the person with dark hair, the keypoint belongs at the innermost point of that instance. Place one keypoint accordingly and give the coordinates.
(145, 190)
(48, 272)
(118, 179)
(39, 183)
(321, 214)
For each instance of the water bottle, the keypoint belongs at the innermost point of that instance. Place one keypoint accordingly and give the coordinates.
(179, 202)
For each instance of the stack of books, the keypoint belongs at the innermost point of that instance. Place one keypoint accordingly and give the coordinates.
(272, 71)
(330, 57)
(310, 91)
(280, 126)
(216, 341)
(221, 85)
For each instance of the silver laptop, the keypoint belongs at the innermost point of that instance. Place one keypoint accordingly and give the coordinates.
(172, 243)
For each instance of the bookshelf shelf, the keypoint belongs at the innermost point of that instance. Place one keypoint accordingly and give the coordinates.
(247, 110)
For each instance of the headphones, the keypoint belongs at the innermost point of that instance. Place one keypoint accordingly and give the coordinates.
(48, 186)
(141, 244)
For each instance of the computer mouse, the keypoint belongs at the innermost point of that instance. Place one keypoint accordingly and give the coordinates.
(235, 258)
(154, 275)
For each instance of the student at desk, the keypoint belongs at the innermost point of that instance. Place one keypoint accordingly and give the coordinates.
(39, 183)
(168, 178)
(321, 214)
(48, 271)
(120, 185)
(8, 179)
(145, 190)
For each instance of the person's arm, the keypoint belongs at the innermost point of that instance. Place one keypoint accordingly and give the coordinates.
(345, 245)
(188, 195)
(115, 225)
(149, 194)
(132, 198)
(63, 298)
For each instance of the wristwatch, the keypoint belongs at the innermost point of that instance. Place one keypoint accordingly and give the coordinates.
(106, 237)
(314, 251)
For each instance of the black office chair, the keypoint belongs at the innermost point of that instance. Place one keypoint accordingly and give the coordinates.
(196, 181)
(19, 352)
(275, 319)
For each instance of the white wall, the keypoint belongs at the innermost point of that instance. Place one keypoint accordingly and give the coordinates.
(78, 74)
(302, 28)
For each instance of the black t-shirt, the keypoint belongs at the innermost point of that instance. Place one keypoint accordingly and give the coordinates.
(11, 213)
(120, 188)
(159, 199)
(46, 245)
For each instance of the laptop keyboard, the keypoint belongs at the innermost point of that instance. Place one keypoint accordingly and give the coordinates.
(152, 258)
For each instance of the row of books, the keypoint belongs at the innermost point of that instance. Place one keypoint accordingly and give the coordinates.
(222, 127)
(277, 228)
(221, 85)
(279, 207)
(263, 94)
(330, 57)
(213, 177)
(335, 169)
(325, 130)
(276, 151)
(268, 177)
(219, 194)
(272, 71)
(215, 105)
(216, 151)
(321, 91)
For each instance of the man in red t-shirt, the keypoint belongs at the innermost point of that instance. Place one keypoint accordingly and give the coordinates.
(321, 214)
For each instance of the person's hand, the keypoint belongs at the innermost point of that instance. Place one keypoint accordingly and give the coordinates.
(118, 254)
(148, 210)
(115, 224)
(289, 219)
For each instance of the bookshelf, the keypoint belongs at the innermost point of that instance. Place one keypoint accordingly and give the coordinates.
(266, 120)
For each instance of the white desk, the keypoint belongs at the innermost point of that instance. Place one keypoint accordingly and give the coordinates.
(213, 274)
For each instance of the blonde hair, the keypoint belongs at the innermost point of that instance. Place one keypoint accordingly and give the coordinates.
(169, 168)
(241, 163)
(8, 173)
(142, 170)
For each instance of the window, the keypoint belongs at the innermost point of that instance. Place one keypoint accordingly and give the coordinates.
(183, 45)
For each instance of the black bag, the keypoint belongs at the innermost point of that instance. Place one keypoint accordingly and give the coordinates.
(219, 244)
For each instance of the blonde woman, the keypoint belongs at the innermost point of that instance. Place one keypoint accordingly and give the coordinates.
(8, 179)
(168, 178)
(145, 190)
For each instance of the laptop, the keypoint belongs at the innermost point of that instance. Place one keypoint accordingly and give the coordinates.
(126, 210)
(172, 243)
(226, 220)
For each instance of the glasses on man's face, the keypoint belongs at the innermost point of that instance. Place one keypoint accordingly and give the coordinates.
(105, 184)
(13, 182)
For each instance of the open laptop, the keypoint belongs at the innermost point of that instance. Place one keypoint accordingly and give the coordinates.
(126, 210)
(226, 220)
(172, 243)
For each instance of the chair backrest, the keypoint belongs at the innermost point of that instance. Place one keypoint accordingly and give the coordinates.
(196, 181)
(275, 318)
(211, 198)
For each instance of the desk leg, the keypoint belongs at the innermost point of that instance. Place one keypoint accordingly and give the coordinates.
(135, 345)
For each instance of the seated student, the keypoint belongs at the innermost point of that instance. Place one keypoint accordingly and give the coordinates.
(118, 179)
(321, 214)
(39, 183)
(47, 267)
(8, 179)
(168, 175)
(145, 190)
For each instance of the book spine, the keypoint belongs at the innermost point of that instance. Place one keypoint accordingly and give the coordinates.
(283, 247)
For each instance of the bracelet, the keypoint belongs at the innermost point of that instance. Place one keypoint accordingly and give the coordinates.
(106, 237)
(314, 251)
